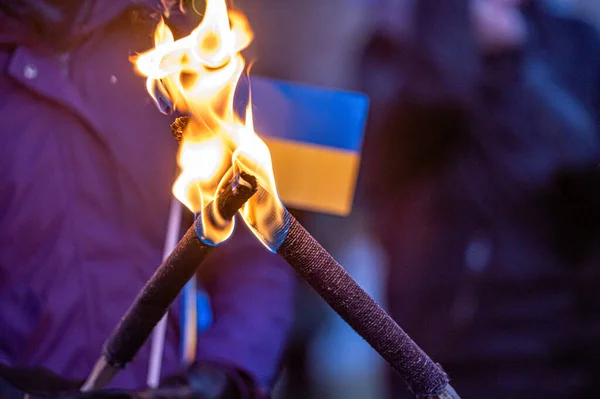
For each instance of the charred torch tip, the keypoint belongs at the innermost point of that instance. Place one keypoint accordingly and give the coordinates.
(247, 180)
(179, 126)
(236, 193)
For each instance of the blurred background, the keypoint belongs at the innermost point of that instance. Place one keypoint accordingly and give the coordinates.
(337, 43)
(374, 46)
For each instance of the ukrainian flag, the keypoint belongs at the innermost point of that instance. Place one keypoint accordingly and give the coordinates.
(315, 137)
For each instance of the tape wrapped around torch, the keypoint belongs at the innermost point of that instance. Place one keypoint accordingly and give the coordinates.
(163, 287)
(343, 294)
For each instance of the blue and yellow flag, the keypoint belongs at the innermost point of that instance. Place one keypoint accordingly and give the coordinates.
(315, 137)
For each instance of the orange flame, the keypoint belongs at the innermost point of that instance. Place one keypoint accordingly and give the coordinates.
(199, 74)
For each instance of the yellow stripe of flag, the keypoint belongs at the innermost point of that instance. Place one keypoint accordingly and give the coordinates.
(313, 177)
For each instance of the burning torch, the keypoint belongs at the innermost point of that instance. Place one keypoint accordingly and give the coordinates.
(226, 169)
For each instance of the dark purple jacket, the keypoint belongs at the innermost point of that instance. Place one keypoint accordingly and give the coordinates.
(86, 167)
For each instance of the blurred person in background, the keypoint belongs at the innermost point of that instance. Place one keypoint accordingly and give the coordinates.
(86, 168)
(481, 171)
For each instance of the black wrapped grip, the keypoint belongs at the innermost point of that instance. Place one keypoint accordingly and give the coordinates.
(329, 279)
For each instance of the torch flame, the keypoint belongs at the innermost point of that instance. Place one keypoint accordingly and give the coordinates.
(198, 75)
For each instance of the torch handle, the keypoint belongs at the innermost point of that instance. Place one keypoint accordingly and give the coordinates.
(329, 279)
(163, 287)
(155, 298)
(148, 308)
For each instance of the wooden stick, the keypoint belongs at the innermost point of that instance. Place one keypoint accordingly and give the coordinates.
(160, 331)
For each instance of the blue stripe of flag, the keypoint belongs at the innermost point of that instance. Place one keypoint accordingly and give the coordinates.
(290, 111)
